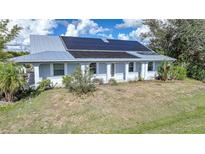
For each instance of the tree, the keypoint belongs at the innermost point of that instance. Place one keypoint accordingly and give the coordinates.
(12, 79)
(7, 35)
(181, 39)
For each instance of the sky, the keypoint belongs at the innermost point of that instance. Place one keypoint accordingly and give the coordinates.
(124, 29)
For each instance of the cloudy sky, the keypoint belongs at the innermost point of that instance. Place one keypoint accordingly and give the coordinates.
(103, 28)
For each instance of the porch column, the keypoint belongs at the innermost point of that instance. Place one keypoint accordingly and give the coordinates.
(108, 71)
(126, 71)
(144, 69)
(36, 74)
(65, 68)
(84, 66)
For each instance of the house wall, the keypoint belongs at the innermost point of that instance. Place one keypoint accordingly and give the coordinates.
(44, 70)
(121, 72)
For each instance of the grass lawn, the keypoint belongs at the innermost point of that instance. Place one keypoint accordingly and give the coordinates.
(138, 107)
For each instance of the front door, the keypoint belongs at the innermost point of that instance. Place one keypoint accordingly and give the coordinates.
(112, 70)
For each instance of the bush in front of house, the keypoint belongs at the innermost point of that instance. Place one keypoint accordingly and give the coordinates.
(67, 79)
(43, 85)
(178, 73)
(98, 81)
(12, 79)
(164, 71)
(80, 82)
(112, 82)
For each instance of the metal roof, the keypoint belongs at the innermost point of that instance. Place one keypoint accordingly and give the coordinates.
(45, 56)
(41, 43)
(53, 48)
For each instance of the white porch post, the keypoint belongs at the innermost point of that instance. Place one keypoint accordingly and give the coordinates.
(144, 69)
(83, 67)
(36, 74)
(126, 71)
(108, 71)
(51, 69)
(65, 68)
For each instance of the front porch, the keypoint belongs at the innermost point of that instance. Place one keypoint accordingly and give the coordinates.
(120, 71)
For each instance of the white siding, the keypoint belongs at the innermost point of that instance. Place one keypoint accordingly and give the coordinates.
(71, 67)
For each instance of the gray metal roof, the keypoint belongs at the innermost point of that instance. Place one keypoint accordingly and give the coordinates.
(51, 48)
(41, 43)
(156, 57)
(45, 56)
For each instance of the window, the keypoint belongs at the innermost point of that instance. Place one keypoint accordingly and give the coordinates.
(150, 66)
(112, 69)
(93, 68)
(131, 67)
(58, 69)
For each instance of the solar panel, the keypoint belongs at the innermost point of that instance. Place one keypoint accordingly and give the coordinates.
(99, 44)
(97, 54)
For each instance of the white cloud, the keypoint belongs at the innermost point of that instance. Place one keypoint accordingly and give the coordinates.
(84, 26)
(135, 34)
(38, 27)
(129, 23)
(122, 36)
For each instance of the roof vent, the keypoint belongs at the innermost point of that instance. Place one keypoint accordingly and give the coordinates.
(105, 40)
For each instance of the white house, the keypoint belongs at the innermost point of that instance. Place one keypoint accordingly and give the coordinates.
(55, 56)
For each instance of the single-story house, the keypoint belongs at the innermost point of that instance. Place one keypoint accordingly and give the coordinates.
(52, 57)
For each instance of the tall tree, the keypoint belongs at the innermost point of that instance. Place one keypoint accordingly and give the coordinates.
(181, 39)
(7, 35)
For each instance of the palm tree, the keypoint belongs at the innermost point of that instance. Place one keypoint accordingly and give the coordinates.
(12, 79)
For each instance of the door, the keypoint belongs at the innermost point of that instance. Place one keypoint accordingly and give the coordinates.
(112, 70)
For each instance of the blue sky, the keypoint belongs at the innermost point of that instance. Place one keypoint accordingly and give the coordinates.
(105, 23)
(125, 29)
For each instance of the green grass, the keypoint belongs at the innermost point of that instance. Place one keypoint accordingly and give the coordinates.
(137, 107)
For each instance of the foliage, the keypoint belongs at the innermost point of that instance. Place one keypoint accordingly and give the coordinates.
(12, 79)
(67, 79)
(45, 84)
(81, 82)
(7, 35)
(98, 81)
(196, 72)
(17, 53)
(163, 70)
(113, 82)
(178, 72)
(181, 39)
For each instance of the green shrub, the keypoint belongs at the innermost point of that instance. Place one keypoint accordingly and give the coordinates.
(196, 72)
(113, 82)
(164, 71)
(12, 79)
(45, 84)
(98, 81)
(67, 80)
(81, 82)
(178, 73)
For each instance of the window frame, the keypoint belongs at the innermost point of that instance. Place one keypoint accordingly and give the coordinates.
(91, 67)
(54, 74)
(152, 67)
(131, 67)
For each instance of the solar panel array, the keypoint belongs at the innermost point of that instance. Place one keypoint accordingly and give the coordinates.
(97, 54)
(99, 44)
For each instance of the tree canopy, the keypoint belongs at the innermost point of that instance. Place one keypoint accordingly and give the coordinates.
(7, 35)
(181, 39)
